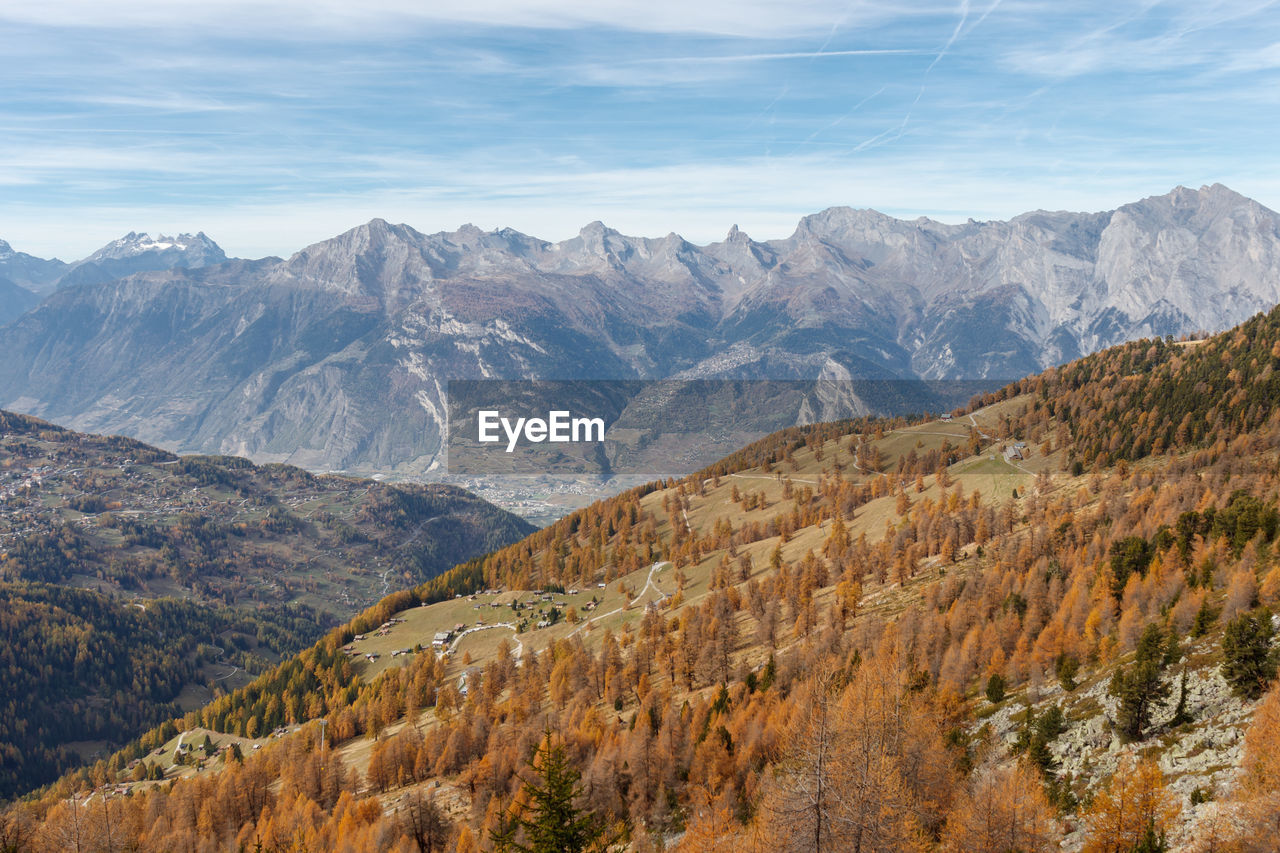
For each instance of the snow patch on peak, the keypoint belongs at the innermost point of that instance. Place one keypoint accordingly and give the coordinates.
(138, 243)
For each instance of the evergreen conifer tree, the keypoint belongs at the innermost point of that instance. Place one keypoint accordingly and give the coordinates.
(1141, 687)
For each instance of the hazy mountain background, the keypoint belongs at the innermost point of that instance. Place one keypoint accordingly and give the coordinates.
(338, 357)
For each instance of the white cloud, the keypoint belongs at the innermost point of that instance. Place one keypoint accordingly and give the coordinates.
(161, 101)
(1262, 59)
(1153, 38)
(746, 18)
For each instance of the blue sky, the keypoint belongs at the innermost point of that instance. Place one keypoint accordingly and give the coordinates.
(273, 125)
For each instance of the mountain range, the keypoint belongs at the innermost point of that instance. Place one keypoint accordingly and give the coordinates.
(339, 356)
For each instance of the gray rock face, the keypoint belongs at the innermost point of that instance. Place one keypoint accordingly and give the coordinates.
(338, 357)
(1205, 754)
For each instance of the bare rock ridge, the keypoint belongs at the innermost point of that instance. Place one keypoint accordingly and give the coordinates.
(338, 357)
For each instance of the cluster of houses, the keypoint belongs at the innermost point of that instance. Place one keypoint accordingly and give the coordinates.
(441, 640)
(385, 628)
(351, 651)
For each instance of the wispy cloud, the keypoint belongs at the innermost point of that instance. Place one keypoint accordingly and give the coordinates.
(766, 57)
(274, 124)
(307, 18)
(1260, 59)
(1149, 38)
(163, 101)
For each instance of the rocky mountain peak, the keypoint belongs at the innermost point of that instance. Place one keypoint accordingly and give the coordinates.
(598, 238)
(197, 250)
(747, 258)
(377, 236)
(596, 242)
(1185, 206)
(842, 220)
(137, 252)
(376, 233)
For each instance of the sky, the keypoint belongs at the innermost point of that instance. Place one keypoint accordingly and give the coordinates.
(274, 125)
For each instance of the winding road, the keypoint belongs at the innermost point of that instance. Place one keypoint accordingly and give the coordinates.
(519, 651)
(648, 584)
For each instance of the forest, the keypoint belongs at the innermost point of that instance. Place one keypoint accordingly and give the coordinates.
(873, 635)
(79, 666)
(130, 574)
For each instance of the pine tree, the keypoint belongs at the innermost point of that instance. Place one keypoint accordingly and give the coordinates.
(1249, 662)
(995, 688)
(1038, 732)
(1140, 687)
(1129, 556)
(553, 823)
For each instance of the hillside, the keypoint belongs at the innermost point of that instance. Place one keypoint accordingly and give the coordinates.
(338, 357)
(118, 516)
(992, 630)
(135, 584)
(85, 673)
(14, 301)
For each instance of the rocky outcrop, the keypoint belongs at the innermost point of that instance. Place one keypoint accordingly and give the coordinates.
(1204, 755)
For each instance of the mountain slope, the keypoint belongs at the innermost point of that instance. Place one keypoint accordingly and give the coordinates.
(14, 301)
(135, 583)
(338, 357)
(132, 519)
(952, 613)
(28, 271)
